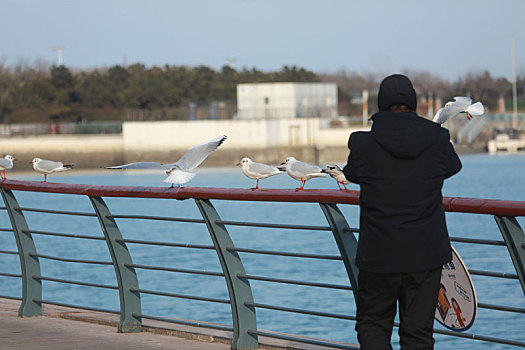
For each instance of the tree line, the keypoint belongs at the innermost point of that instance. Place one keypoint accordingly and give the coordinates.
(58, 93)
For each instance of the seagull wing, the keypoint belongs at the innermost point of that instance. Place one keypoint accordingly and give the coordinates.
(449, 112)
(476, 109)
(6, 163)
(197, 154)
(263, 169)
(305, 168)
(438, 118)
(333, 167)
(49, 165)
(463, 100)
(333, 170)
(140, 165)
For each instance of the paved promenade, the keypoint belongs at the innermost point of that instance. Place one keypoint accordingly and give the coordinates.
(50, 332)
(61, 328)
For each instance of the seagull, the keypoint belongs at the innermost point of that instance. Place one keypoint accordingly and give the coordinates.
(49, 166)
(6, 163)
(302, 171)
(258, 170)
(178, 172)
(336, 172)
(459, 105)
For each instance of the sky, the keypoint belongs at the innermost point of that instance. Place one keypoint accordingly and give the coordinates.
(446, 38)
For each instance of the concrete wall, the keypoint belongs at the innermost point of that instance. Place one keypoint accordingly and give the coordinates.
(268, 141)
(87, 151)
(252, 133)
(264, 140)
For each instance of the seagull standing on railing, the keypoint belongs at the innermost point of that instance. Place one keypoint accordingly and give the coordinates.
(302, 171)
(336, 173)
(179, 172)
(458, 106)
(258, 171)
(6, 163)
(49, 166)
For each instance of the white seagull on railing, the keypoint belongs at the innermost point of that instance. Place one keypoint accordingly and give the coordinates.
(458, 106)
(179, 172)
(336, 173)
(258, 171)
(6, 163)
(49, 166)
(302, 171)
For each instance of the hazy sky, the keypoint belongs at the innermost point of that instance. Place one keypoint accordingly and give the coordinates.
(446, 38)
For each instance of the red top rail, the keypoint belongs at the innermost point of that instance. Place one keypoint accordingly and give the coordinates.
(451, 204)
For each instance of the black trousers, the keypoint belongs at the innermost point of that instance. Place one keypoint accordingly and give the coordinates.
(379, 294)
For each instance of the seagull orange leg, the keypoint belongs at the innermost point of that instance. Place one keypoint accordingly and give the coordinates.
(257, 186)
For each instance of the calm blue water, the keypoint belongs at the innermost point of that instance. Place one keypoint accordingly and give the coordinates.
(483, 176)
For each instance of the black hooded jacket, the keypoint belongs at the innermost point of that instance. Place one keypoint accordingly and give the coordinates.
(400, 165)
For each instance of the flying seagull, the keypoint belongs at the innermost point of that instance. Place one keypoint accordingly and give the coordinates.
(258, 170)
(6, 163)
(336, 173)
(49, 166)
(302, 171)
(179, 172)
(458, 106)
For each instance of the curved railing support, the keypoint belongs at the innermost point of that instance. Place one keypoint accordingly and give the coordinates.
(515, 241)
(243, 317)
(126, 276)
(345, 240)
(29, 263)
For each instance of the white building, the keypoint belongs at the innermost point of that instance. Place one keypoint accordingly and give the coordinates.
(286, 100)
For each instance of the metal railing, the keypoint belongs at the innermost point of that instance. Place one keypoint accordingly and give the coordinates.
(243, 306)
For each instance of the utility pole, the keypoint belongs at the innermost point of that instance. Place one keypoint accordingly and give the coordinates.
(365, 107)
(514, 88)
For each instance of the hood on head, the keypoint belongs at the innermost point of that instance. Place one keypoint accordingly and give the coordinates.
(404, 135)
(396, 89)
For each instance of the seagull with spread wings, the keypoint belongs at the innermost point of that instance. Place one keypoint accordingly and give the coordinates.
(179, 172)
(458, 106)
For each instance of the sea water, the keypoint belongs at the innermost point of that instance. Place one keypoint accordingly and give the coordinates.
(482, 176)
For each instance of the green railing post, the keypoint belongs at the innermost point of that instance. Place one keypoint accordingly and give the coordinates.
(126, 276)
(239, 289)
(515, 240)
(29, 264)
(345, 240)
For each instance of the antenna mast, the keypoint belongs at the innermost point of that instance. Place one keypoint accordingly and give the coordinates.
(59, 50)
(514, 88)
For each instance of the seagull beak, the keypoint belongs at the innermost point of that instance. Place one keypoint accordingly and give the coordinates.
(14, 159)
(283, 163)
(30, 162)
(469, 116)
(238, 164)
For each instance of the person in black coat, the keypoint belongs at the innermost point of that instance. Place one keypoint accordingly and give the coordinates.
(400, 166)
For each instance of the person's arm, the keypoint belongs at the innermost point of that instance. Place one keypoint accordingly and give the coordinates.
(452, 161)
(351, 168)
